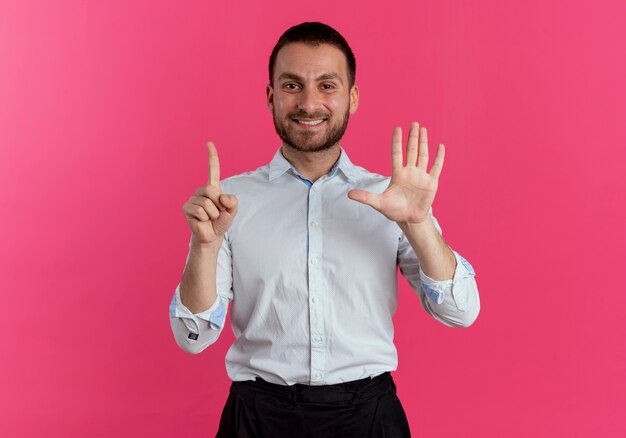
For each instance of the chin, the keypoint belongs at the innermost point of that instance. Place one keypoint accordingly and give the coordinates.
(309, 147)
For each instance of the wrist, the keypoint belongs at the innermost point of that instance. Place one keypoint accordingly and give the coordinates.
(414, 228)
(204, 247)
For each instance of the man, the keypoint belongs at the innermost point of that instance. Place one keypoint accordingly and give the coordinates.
(306, 251)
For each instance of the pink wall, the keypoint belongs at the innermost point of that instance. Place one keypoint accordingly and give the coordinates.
(105, 108)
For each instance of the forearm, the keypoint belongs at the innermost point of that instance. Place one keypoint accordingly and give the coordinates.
(198, 289)
(435, 256)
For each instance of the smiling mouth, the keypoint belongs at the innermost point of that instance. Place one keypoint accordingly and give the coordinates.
(309, 122)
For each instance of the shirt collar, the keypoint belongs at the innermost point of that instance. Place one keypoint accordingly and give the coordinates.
(280, 165)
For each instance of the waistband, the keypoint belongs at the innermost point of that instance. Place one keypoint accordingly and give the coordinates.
(340, 392)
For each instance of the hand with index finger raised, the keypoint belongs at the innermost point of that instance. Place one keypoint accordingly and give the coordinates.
(214, 165)
(209, 212)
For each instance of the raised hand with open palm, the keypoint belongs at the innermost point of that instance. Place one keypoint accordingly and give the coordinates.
(412, 188)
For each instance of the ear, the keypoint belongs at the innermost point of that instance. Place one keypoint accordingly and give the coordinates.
(269, 94)
(354, 99)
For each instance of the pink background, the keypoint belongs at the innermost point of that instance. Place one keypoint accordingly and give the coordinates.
(105, 109)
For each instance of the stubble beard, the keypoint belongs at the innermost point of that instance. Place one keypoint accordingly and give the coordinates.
(333, 134)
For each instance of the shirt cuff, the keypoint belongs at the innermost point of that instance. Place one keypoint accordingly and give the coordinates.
(436, 290)
(213, 317)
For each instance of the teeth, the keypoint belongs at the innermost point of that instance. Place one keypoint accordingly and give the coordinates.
(312, 122)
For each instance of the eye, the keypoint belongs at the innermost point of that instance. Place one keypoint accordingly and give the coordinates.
(328, 86)
(291, 86)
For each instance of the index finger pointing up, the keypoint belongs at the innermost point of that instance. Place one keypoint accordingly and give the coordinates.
(214, 165)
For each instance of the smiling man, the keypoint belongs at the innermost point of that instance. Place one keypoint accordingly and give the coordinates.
(315, 117)
(305, 251)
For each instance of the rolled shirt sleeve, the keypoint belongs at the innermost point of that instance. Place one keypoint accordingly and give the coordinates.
(196, 331)
(454, 302)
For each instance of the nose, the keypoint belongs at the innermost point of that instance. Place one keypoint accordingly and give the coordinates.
(309, 100)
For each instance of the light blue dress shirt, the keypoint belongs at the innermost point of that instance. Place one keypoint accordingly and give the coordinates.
(311, 279)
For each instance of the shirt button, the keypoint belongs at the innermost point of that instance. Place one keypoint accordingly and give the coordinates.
(314, 223)
(314, 300)
(318, 339)
(314, 261)
(317, 376)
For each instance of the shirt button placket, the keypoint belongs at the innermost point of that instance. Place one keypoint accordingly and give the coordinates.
(316, 282)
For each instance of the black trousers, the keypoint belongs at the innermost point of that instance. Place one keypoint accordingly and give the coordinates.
(367, 408)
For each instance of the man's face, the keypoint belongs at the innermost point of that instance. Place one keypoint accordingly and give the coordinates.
(310, 98)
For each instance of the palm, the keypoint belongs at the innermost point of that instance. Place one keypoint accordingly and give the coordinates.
(409, 196)
(412, 189)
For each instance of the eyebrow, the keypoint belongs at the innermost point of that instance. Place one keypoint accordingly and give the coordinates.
(322, 77)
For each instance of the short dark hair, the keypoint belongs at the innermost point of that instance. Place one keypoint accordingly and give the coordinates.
(315, 33)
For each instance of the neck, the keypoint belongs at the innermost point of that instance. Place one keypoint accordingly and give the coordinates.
(312, 165)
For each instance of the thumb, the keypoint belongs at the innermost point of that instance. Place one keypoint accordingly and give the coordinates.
(230, 203)
(367, 198)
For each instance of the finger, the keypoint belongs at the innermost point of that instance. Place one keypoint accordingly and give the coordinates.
(209, 207)
(231, 203)
(411, 145)
(214, 165)
(195, 212)
(211, 192)
(422, 161)
(367, 198)
(435, 171)
(396, 149)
